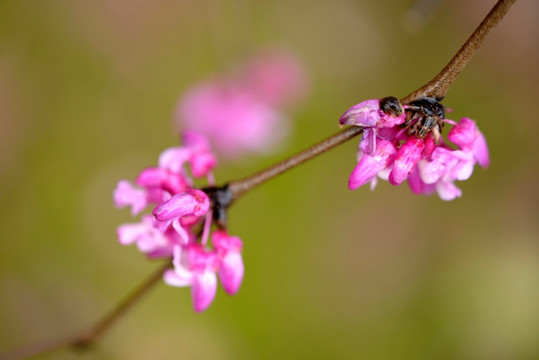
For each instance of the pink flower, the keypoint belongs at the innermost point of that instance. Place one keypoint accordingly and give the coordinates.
(369, 114)
(417, 185)
(157, 178)
(158, 184)
(400, 147)
(194, 267)
(445, 167)
(191, 202)
(195, 150)
(242, 113)
(230, 268)
(277, 77)
(369, 166)
(181, 222)
(407, 157)
(169, 187)
(235, 120)
(467, 137)
(127, 195)
(148, 238)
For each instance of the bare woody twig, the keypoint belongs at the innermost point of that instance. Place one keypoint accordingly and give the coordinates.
(438, 87)
(88, 336)
(239, 187)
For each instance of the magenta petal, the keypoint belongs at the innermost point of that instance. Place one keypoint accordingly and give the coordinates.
(464, 133)
(480, 151)
(367, 144)
(162, 179)
(366, 113)
(202, 163)
(189, 202)
(417, 185)
(390, 121)
(127, 195)
(407, 157)
(223, 242)
(203, 288)
(174, 279)
(463, 169)
(174, 158)
(365, 170)
(129, 233)
(195, 141)
(231, 272)
(447, 190)
(150, 177)
(370, 165)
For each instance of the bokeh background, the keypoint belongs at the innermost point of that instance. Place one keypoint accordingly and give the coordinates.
(87, 92)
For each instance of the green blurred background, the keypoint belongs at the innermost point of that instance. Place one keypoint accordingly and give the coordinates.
(87, 90)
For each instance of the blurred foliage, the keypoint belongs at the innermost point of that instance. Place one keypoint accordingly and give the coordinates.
(87, 90)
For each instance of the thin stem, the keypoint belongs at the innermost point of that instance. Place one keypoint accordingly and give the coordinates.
(438, 87)
(239, 187)
(89, 336)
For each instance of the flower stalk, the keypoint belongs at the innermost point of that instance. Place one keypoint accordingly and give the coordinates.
(437, 88)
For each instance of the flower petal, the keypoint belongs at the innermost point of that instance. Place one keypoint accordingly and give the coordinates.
(129, 233)
(174, 158)
(127, 195)
(416, 184)
(231, 271)
(370, 165)
(203, 288)
(366, 113)
(189, 202)
(224, 243)
(480, 151)
(447, 190)
(407, 157)
(173, 279)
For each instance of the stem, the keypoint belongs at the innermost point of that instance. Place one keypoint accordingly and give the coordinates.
(438, 87)
(87, 337)
(239, 187)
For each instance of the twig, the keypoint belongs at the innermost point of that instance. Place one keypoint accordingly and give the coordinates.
(437, 87)
(239, 187)
(87, 337)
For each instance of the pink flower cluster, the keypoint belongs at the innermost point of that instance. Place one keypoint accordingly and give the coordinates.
(180, 213)
(241, 112)
(389, 151)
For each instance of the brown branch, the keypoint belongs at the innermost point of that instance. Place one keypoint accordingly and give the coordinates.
(239, 187)
(438, 87)
(87, 337)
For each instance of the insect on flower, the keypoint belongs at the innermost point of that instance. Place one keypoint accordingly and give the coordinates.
(425, 116)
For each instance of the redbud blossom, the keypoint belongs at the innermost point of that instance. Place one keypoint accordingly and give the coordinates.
(388, 146)
(230, 268)
(181, 213)
(242, 113)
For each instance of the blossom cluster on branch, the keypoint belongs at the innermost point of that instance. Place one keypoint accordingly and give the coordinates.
(181, 215)
(236, 113)
(403, 143)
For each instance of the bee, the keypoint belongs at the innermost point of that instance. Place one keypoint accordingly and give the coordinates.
(425, 116)
(391, 106)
